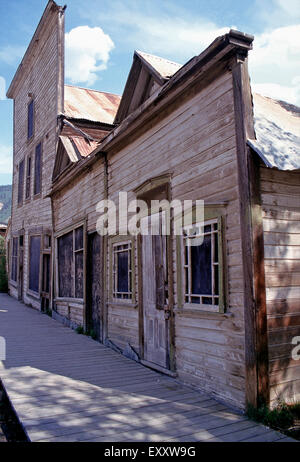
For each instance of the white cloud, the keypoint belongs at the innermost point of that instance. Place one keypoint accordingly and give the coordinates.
(6, 159)
(274, 63)
(87, 53)
(170, 30)
(2, 88)
(278, 13)
(12, 54)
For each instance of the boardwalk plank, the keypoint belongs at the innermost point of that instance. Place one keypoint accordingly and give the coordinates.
(67, 387)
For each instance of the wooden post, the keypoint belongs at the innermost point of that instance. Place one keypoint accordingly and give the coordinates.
(256, 342)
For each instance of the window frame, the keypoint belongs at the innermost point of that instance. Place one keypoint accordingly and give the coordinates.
(14, 239)
(115, 242)
(28, 178)
(57, 235)
(20, 196)
(31, 102)
(29, 290)
(37, 194)
(214, 215)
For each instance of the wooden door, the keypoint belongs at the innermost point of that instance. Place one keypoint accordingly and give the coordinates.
(155, 298)
(94, 274)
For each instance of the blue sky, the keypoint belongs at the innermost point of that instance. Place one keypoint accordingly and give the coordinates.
(101, 36)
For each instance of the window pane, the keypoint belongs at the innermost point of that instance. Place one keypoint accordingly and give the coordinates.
(65, 262)
(201, 267)
(34, 263)
(122, 268)
(28, 177)
(30, 119)
(79, 238)
(46, 274)
(38, 169)
(21, 182)
(14, 259)
(79, 275)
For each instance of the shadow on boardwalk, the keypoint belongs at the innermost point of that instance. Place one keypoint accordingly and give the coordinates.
(67, 387)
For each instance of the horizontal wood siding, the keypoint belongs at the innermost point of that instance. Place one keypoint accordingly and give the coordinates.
(195, 142)
(281, 221)
(40, 82)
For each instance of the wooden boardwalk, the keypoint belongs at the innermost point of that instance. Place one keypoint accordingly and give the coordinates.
(67, 387)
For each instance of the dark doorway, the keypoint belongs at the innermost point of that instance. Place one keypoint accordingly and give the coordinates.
(94, 277)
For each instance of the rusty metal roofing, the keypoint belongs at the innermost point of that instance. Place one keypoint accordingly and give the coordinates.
(77, 147)
(277, 129)
(163, 66)
(93, 105)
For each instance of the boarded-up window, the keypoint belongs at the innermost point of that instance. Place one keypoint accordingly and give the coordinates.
(30, 119)
(122, 271)
(14, 259)
(21, 182)
(65, 265)
(201, 264)
(71, 264)
(28, 178)
(34, 263)
(79, 262)
(38, 169)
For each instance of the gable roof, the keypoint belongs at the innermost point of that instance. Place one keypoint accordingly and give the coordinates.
(51, 10)
(93, 105)
(164, 68)
(147, 74)
(277, 129)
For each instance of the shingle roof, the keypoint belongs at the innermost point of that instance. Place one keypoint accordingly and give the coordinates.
(96, 106)
(277, 128)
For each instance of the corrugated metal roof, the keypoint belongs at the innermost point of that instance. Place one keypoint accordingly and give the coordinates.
(77, 147)
(277, 129)
(97, 106)
(163, 66)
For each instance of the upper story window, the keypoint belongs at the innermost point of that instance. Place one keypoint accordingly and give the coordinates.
(38, 169)
(28, 178)
(21, 182)
(30, 126)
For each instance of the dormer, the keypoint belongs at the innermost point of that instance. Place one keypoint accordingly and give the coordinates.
(147, 74)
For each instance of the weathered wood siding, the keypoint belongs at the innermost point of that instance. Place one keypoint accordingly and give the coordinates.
(194, 139)
(281, 222)
(74, 203)
(40, 79)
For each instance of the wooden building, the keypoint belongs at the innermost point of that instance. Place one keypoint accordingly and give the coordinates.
(221, 316)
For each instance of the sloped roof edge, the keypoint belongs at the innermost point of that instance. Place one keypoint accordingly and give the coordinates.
(277, 131)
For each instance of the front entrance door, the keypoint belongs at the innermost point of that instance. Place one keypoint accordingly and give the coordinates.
(155, 295)
(94, 286)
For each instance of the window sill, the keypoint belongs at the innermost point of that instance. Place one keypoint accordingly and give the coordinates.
(128, 304)
(69, 300)
(201, 310)
(33, 294)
